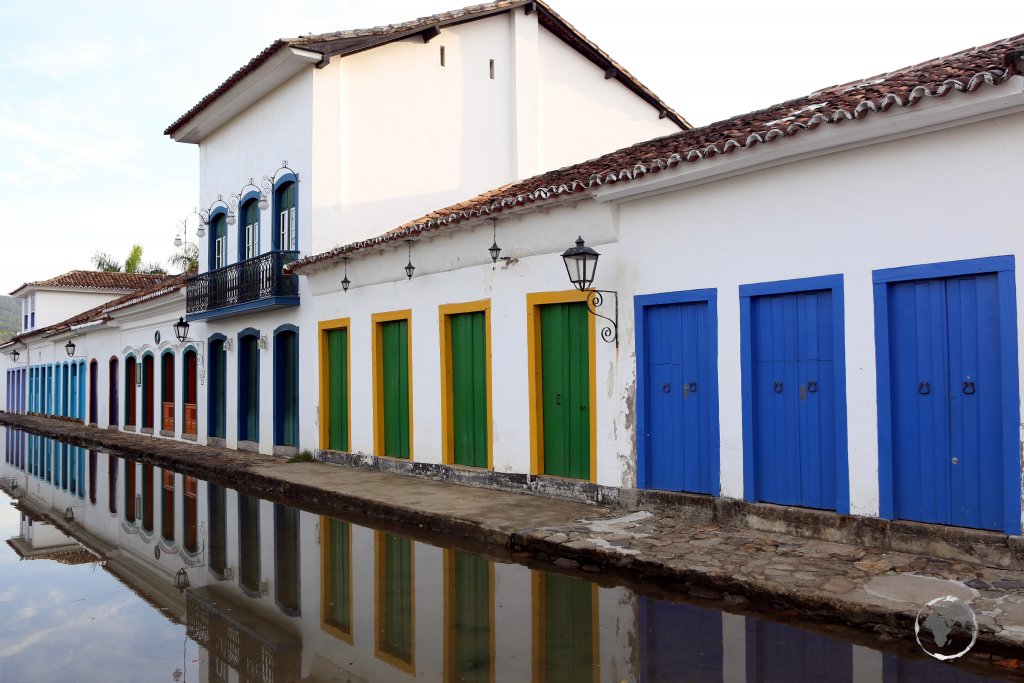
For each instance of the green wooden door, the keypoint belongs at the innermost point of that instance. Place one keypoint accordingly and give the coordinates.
(469, 388)
(286, 395)
(395, 386)
(568, 630)
(565, 389)
(469, 646)
(337, 394)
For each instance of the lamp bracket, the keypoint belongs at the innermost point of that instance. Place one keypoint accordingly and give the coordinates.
(595, 300)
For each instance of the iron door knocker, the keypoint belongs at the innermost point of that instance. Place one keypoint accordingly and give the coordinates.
(777, 387)
(812, 386)
(924, 388)
(969, 388)
(692, 386)
(666, 387)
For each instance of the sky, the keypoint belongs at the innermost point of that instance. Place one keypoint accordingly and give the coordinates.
(87, 88)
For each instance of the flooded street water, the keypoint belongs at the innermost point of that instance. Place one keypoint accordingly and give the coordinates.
(114, 570)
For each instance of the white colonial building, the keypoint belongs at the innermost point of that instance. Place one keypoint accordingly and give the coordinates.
(811, 305)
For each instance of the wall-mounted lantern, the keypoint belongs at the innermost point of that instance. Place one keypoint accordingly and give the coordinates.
(581, 266)
(410, 268)
(70, 348)
(181, 329)
(345, 283)
(15, 356)
(494, 250)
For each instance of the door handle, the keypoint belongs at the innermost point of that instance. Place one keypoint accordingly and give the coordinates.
(924, 388)
(558, 399)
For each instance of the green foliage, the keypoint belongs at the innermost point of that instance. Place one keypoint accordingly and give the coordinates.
(10, 317)
(103, 261)
(186, 259)
(303, 456)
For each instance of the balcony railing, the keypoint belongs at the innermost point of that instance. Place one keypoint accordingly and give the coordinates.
(252, 280)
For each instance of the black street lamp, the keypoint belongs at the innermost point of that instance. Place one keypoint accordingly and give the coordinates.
(15, 355)
(581, 265)
(70, 348)
(410, 268)
(181, 329)
(494, 250)
(346, 282)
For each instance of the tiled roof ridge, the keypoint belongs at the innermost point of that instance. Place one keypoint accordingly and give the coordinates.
(169, 284)
(321, 42)
(97, 279)
(722, 137)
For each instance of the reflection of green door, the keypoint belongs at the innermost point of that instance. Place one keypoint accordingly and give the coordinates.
(565, 389)
(337, 396)
(395, 385)
(469, 626)
(337, 606)
(469, 388)
(394, 607)
(567, 630)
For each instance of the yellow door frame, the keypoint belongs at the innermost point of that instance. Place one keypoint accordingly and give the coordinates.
(533, 339)
(444, 314)
(323, 327)
(376, 320)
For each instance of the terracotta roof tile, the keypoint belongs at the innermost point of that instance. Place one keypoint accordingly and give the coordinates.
(964, 71)
(167, 284)
(93, 279)
(357, 40)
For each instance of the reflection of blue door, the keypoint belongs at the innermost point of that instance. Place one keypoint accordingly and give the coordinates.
(946, 392)
(679, 642)
(793, 392)
(780, 652)
(678, 398)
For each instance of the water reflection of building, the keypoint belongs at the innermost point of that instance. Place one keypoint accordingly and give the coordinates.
(280, 594)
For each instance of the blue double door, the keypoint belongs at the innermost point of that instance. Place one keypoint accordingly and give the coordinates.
(681, 439)
(793, 399)
(946, 397)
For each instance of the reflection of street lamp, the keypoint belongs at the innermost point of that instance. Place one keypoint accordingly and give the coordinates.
(181, 581)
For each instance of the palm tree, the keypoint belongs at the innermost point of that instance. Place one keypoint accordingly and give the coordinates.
(133, 264)
(187, 259)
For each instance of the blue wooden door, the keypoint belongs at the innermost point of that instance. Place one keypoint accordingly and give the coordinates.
(946, 400)
(679, 376)
(794, 399)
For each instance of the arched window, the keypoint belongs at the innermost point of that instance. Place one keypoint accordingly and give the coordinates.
(248, 385)
(147, 391)
(167, 392)
(249, 238)
(94, 371)
(217, 387)
(189, 392)
(218, 256)
(112, 387)
(286, 386)
(131, 371)
(286, 237)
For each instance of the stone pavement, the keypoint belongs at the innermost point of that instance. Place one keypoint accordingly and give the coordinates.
(728, 565)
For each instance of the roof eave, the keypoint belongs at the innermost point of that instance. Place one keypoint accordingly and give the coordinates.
(282, 65)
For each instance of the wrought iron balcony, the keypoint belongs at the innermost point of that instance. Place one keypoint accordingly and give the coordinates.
(256, 283)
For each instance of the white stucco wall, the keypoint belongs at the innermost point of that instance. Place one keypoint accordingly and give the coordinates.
(253, 145)
(582, 114)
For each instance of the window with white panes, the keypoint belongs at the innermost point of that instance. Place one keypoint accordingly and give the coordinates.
(287, 239)
(251, 215)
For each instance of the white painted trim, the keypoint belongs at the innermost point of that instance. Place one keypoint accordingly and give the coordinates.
(955, 109)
